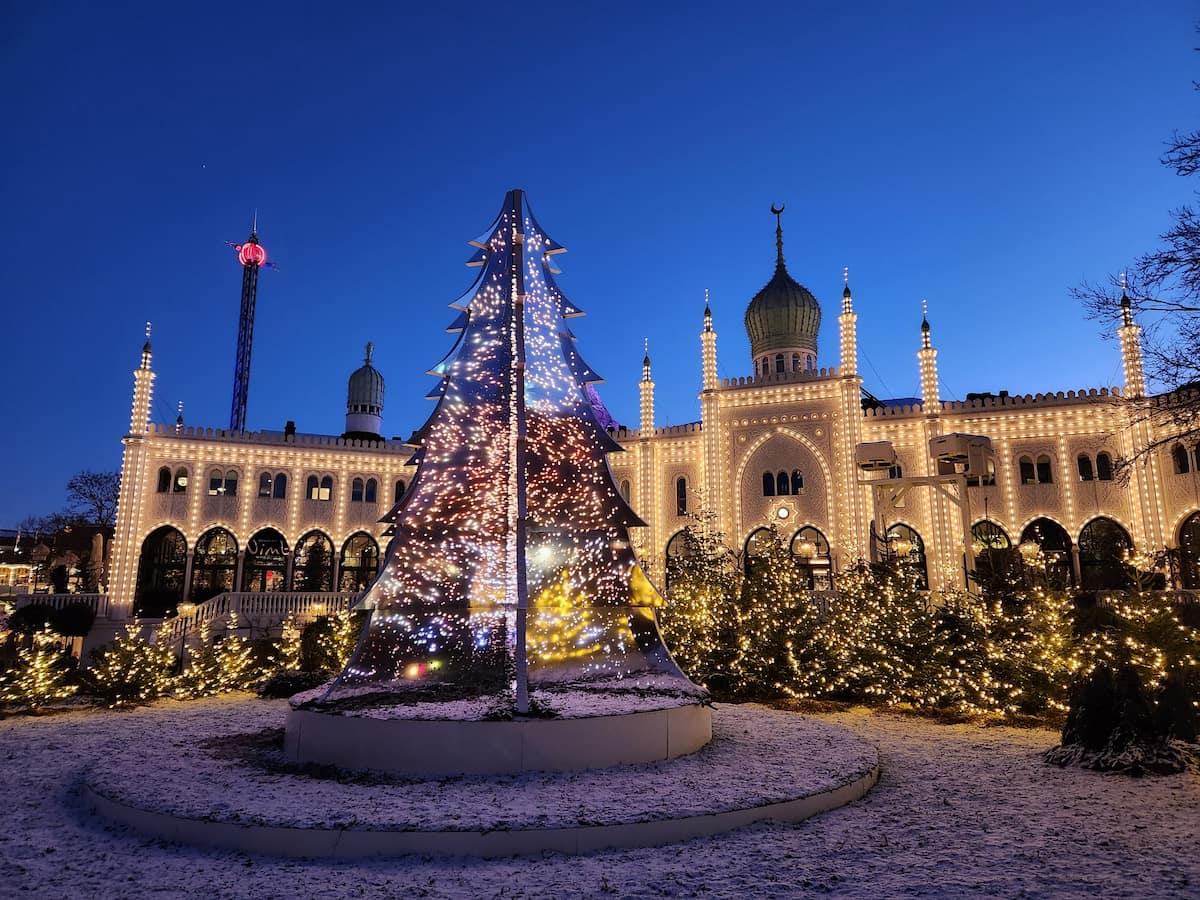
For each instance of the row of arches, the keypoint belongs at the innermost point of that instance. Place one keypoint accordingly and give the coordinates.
(808, 547)
(1183, 461)
(781, 484)
(805, 362)
(166, 576)
(224, 483)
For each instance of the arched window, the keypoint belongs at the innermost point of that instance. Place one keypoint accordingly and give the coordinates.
(782, 484)
(906, 547)
(214, 565)
(326, 488)
(1179, 455)
(1044, 473)
(161, 567)
(312, 488)
(164, 480)
(810, 550)
(1189, 552)
(279, 488)
(181, 481)
(359, 563)
(1028, 474)
(1104, 468)
(1196, 456)
(1103, 545)
(266, 562)
(216, 482)
(679, 547)
(399, 491)
(1085, 467)
(768, 484)
(680, 496)
(779, 366)
(810, 362)
(766, 365)
(795, 362)
(994, 558)
(264, 484)
(625, 489)
(370, 495)
(1055, 545)
(758, 548)
(312, 569)
(356, 490)
(797, 481)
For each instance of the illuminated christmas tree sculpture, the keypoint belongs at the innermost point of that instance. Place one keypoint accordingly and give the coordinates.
(510, 570)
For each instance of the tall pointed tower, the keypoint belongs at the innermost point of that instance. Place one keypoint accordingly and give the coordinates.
(927, 356)
(253, 256)
(511, 570)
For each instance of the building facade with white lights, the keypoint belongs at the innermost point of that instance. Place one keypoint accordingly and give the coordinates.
(795, 446)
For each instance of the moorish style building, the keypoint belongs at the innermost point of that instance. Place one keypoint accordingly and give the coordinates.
(796, 446)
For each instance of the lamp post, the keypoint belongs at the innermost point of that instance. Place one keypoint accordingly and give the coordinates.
(39, 554)
(184, 611)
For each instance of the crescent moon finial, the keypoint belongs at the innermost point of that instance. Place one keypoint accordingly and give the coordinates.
(776, 212)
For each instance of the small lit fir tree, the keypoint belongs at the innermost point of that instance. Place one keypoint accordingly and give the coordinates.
(699, 621)
(218, 666)
(41, 675)
(512, 490)
(132, 670)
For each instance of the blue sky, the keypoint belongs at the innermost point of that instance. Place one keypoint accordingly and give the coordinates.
(987, 157)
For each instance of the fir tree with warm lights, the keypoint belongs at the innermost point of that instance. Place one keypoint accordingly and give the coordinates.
(41, 675)
(132, 670)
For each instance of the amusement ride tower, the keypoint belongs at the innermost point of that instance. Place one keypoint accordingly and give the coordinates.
(253, 256)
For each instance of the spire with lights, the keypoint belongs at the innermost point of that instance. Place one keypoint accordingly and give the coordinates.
(511, 570)
(253, 256)
(1131, 346)
(848, 328)
(708, 349)
(927, 355)
(646, 392)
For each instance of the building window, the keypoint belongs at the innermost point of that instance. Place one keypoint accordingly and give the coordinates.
(181, 481)
(1027, 470)
(399, 491)
(766, 366)
(811, 362)
(1179, 455)
(312, 568)
(797, 481)
(359, 563)
(896, 471)
(779, 368)
(164, 480)
(781, 484)
(1085, 467)
(795, 362)
(279, 488)
(1044, 474)
(161, 568)
(319, 490)
(264, 484)
(904, 546)
(768, 484)
(680, 496)
(625, 489)
(222, 483)
(1104, 470)
(810, 553)
(372, 490)
(356, 490)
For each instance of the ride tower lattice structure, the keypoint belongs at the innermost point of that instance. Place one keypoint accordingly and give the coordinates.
(253, 256)
(510, 575)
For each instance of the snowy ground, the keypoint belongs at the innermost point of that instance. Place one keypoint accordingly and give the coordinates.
(959, 812)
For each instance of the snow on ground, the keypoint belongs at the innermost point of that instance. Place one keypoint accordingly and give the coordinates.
(959, 812)
(737, 770)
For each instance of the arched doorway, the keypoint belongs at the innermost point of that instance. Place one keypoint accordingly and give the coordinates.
(1055, 545)
(265, 568)
(214, 565)
(359, 563)
(905, 546)
(1103, 546)
(810, 550)
(679, 548)
(758, 548)
(161, 569)
(313, 569)
(995, 562)
(1189, 552)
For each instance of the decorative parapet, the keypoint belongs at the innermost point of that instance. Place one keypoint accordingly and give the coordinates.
(800, 377)
(277, 438)
(1006, 402)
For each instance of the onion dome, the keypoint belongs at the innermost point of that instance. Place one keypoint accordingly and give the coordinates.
(784, 315)
(364, 401)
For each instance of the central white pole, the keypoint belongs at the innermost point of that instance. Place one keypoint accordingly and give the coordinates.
(518, 406)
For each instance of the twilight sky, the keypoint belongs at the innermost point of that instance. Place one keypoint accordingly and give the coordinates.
(986, 156)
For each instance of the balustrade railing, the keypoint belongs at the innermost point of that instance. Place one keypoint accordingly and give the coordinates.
(258, 610)
(98, 602)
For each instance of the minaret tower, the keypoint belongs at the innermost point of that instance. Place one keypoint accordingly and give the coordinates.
(646, 390)
(1131, 348)
(253, 256)
(708, 348)
(143, 391)
(848, 329)
(930, 401)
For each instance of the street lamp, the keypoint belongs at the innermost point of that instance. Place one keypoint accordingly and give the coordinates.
(39, 554)
(184, 611)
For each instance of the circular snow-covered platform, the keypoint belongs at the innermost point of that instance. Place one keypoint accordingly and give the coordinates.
(232, 788)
